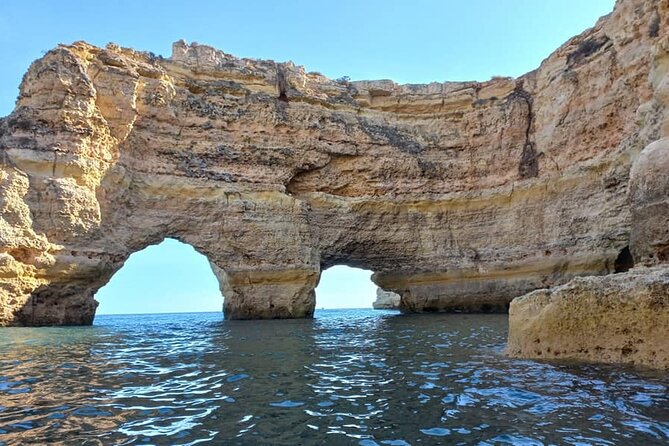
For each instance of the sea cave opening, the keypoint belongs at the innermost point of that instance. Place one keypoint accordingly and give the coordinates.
(624, 262)
(344, 287)
(170, 277)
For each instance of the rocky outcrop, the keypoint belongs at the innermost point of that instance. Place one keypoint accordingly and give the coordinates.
(458, 195)
(622, 317)
(386, 300)
(615, 318)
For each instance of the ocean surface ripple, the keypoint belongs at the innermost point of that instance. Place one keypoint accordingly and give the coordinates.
(358, 377)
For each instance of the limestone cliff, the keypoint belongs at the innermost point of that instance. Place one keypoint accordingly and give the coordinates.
(615, 318)
(621, 317)
(458, 195)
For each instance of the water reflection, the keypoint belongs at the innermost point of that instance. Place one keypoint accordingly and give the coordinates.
(347, 377)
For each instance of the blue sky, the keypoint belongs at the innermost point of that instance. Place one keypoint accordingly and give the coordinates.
(413, 41)
(173, 277)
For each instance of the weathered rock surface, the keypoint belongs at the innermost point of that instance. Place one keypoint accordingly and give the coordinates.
(649, 199)
(386, 300)
(622, 317)
(615, 318)
(459, 195)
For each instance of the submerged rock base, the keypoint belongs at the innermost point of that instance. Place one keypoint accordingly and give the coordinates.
(621, 318)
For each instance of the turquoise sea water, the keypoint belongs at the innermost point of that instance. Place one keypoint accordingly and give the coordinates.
(357, 377)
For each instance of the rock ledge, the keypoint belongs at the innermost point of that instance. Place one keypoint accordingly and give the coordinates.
(620, 318)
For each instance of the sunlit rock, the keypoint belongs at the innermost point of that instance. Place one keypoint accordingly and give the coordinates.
(622, 317)
(615, 318)
(459, 196)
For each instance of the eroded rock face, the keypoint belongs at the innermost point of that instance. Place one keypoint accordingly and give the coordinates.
(619, 318)
(649, 199)
(615, 318)
(622, 317)
(459, 195)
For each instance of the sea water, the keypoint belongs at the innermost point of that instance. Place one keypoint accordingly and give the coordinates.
(359, 377)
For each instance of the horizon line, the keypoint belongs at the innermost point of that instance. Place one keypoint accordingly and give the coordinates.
(221, 312)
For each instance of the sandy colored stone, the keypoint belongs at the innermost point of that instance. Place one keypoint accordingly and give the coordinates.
(621, 318)
(459, 196)
(649, 199)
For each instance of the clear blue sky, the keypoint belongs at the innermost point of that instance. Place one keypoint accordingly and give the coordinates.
(173, 277)
(408, 41)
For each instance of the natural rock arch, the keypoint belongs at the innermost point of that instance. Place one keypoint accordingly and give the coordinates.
(168, 277)
(345, 287)
(459, 195)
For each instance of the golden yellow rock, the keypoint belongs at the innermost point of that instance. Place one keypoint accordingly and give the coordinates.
(615, 318)
(460, 196)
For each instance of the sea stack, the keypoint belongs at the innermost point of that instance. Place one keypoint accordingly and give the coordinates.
(386, 300)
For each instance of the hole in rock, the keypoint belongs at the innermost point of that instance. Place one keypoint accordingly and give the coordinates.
(624, 262)
(345, 287)
(170, 277)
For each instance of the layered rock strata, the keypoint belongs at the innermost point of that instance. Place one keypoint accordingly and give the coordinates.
(615, 318)
(460, 196)
(622, 317)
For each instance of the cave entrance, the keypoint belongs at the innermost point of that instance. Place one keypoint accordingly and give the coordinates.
(345, 287)
(170, 277)
(624, 262)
